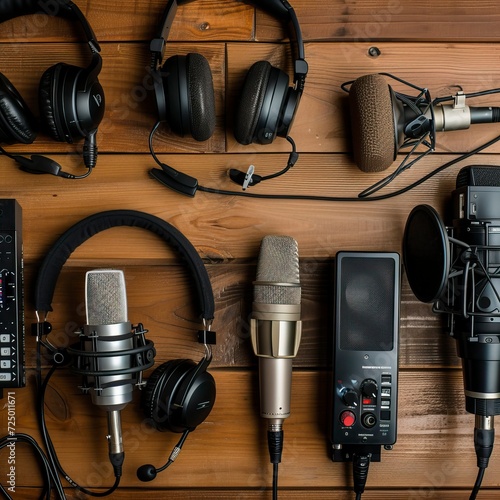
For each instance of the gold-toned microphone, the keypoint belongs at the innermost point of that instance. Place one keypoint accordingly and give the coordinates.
(276, 331)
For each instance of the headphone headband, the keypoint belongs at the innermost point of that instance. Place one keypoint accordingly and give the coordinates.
(281, 9)
(10, 9)
(88, 227)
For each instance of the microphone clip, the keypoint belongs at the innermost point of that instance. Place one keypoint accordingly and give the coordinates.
(245, 179)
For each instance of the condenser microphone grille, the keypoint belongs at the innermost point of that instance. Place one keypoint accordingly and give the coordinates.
(366, 304)
(372, 123)
(278, 265)
(106, 297)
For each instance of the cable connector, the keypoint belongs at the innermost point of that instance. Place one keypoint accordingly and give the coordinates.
(275, 445)
(484, 437)
(360, 465)
(117, 460)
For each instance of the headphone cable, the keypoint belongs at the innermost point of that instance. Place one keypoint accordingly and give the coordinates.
(359, 197)
(42, 385)
(39, 164)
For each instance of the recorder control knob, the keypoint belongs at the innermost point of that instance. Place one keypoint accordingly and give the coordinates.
(350, 398)
(369, 388)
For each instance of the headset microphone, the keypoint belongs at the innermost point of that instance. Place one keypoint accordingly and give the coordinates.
(384, 121)
(148, 472)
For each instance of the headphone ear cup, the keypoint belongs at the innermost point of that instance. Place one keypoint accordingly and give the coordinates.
(202, 98)
(71, 107)
(194, 399)
(173, 400)
(152, 400)
(189, 101)
(260, 108)
(17, 123)
(48, 101)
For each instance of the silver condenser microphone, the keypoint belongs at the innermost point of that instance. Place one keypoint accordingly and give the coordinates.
(108, 329)
(276, 331)
(113, 354)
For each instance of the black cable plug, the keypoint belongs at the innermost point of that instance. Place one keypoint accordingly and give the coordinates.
(484, 436)
(275, 445)
(360, 465)
(117, 460)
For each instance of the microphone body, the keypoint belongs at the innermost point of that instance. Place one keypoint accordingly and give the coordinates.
(276, 326)
(112, 354)
(476, 222)
(108, 330)
(476, 328)
(456, 268)
(382, 120)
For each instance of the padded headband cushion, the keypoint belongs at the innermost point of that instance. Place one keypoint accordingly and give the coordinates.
(88, 227)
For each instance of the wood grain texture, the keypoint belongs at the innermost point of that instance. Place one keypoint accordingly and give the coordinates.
(387, 20)
(164, 300)
(439, 46)
(227, 454)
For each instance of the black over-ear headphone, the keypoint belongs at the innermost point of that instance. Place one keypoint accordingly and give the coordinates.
(185, 98)
(71, 99)
(179, 394)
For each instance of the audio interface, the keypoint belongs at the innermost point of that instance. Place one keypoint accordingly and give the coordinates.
(12, 369)
(365, 355)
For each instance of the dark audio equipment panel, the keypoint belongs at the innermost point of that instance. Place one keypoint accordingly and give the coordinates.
(365, 354)
(12, 369)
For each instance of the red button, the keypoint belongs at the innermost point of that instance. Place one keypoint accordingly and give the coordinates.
(347, 418)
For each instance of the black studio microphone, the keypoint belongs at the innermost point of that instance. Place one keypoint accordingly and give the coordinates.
(112, 353)
(456, 268)
(382, 119)
(276, 331)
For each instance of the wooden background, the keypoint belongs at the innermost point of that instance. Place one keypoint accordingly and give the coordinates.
(437, 45)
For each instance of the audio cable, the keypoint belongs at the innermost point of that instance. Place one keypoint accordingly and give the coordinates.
(366, 195)
(360, 466)
(42, 384)
(48, 458)
(51, 479)
(484, 436)
(275, 446)
(38, 164)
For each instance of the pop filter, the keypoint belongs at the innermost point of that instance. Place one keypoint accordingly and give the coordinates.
(426, 253)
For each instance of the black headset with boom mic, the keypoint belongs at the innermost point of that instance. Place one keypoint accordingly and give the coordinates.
(179, 394)
(185, 99)
(71, 99)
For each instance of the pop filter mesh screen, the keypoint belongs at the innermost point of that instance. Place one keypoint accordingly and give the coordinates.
(365, 312)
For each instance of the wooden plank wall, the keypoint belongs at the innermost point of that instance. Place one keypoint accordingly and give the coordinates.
(439, 46)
